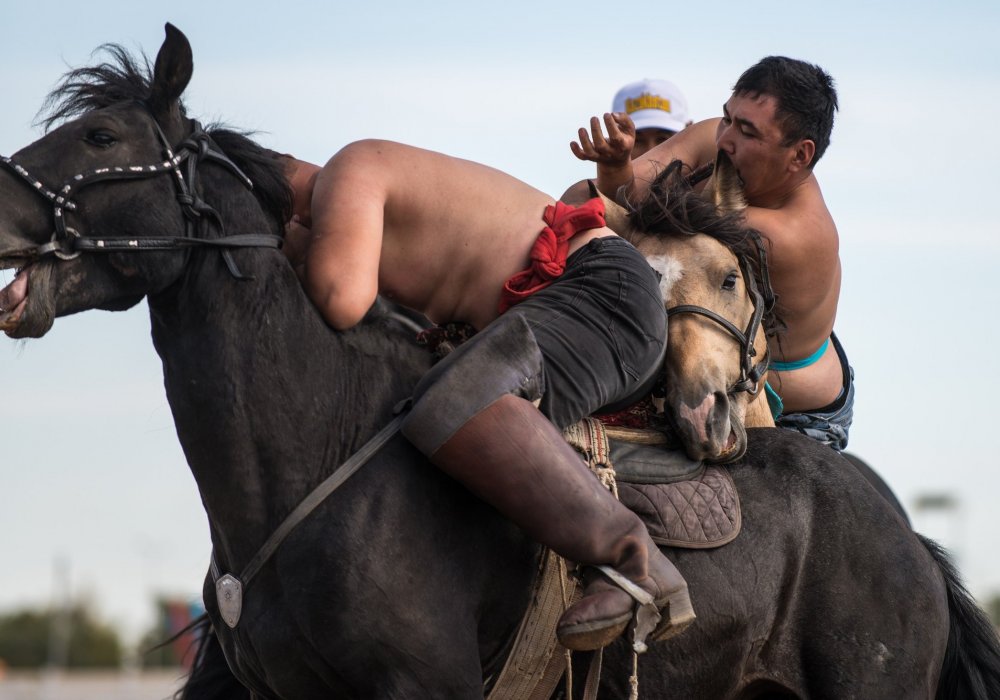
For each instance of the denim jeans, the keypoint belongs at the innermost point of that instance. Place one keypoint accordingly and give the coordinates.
(829, 425)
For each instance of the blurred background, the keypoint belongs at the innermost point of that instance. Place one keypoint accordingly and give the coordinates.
(102, 534)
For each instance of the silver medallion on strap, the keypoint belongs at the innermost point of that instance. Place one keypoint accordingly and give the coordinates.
(229, 596)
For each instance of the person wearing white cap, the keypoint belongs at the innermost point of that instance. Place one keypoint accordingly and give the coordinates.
(774, 127)
(656, 107)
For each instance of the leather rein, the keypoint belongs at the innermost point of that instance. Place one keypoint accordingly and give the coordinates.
(67, 243)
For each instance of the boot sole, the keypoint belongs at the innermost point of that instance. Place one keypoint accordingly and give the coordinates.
(596, 634)
(677, 615)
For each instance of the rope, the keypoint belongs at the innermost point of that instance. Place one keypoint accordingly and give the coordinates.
(590, 438)
(633, 681)
(567, 599)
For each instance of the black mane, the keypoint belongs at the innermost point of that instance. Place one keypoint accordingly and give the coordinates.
(264, 168)
(672, 207)
(125, 78)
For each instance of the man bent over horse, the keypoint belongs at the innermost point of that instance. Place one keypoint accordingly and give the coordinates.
(570, 320)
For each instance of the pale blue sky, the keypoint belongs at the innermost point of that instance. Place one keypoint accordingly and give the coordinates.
(91, 470)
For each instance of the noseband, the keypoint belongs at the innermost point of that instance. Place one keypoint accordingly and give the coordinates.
(750, 373)
(67, 243)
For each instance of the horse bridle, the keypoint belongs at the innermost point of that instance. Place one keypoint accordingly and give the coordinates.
(750, 373)
(67, 243)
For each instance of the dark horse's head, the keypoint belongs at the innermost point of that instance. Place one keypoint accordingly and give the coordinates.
(103, 209)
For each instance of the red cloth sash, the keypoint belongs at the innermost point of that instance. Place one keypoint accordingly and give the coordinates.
(548, 254)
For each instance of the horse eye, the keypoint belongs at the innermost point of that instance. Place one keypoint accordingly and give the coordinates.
(101, 138)
(730, 283)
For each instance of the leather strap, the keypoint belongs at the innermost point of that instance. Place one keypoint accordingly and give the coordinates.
(317, 496)
(112, 245)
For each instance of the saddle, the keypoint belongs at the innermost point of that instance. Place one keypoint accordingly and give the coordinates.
(683, 502)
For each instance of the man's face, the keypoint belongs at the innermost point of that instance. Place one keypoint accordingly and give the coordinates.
(646, 139)
(751, 135)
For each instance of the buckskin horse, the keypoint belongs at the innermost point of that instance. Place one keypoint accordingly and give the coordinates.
(400, 584)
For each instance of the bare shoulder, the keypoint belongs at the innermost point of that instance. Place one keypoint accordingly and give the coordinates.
(396, 157)
(577, 193)
(804, 262)
(372, 153)
(800, 231)
(408, 172)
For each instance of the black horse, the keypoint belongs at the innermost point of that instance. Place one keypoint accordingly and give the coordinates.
(400, 584)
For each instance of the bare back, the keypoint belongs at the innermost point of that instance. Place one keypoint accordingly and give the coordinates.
(804, 258)
(437, 234)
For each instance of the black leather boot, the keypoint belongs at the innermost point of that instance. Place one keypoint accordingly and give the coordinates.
(513, 458)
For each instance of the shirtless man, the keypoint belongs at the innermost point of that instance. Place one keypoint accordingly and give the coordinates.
(775, 127)
(458, 241)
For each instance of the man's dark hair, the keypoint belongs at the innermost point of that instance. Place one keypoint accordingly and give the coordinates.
(805, 94)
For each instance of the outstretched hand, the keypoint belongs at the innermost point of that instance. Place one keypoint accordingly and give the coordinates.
(615, 149)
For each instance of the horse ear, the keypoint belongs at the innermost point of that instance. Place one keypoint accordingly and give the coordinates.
(724, 189)
(172, 70)
(615, 215)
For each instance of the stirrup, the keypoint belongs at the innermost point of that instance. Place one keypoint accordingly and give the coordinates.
(646, 617)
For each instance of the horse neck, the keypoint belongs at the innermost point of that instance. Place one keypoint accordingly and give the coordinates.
(266, 399)
(758, 413)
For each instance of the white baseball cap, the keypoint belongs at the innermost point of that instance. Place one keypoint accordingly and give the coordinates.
(653, 104)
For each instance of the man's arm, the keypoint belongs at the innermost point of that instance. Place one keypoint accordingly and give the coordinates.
(335, 238)
(694, 146)
(612, 153)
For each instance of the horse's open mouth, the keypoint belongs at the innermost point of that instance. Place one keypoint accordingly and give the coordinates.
(736, 443)
(727, 452)
(13, 297)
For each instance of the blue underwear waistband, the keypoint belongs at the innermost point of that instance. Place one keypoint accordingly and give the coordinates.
(799, 364)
